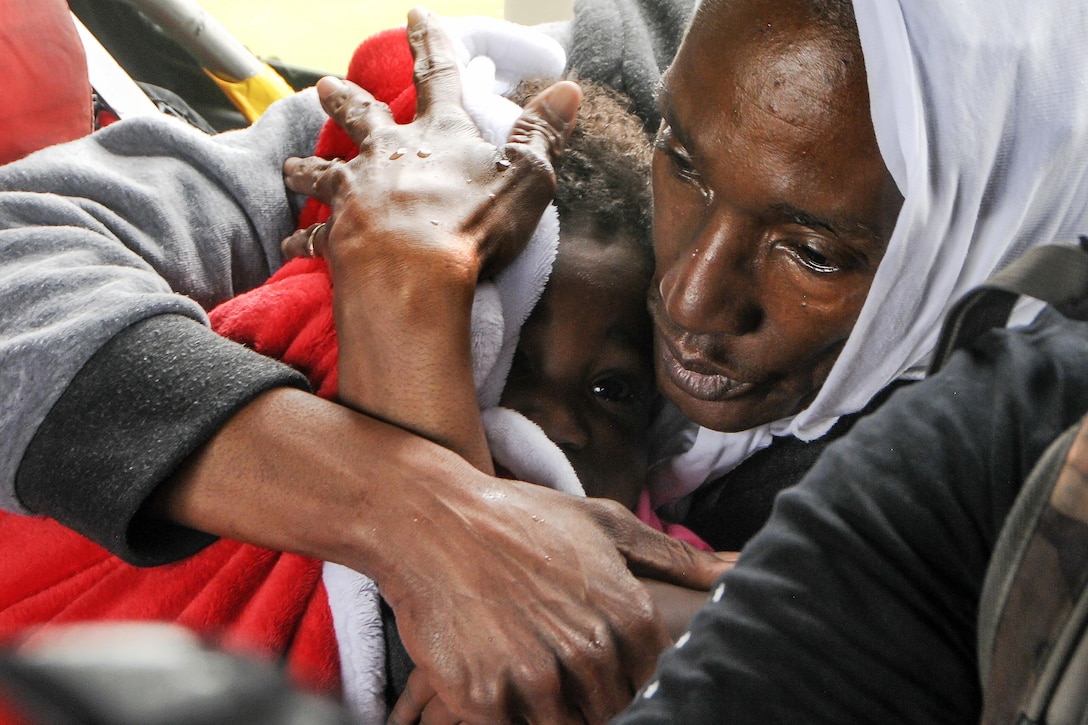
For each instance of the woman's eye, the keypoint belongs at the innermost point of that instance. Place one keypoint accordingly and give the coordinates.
(815, 260)
(682, 166)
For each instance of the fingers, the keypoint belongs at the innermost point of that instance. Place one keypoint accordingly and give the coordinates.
(547, 120)
(313, 176)
(308, 242)
(353, 109)
(436, 713)
(527, 170)
(656, 555)
(436, 76)
(413, 701)
(599, 685)
(648, 636)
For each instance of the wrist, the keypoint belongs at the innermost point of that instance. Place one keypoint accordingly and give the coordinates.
(292, 472)
(410, 364)
(403, 259)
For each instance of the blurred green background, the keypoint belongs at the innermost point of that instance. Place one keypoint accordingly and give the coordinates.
(321, 34)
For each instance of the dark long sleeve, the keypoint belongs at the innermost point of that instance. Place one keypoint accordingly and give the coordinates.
(857, 603)
(129, 418)
(111, 249)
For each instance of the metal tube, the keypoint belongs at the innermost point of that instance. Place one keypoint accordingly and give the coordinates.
(199, 33)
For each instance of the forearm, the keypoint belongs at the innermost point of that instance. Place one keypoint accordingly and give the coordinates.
(405, 356)
(293, 472)
(103, 233)
(128, 419)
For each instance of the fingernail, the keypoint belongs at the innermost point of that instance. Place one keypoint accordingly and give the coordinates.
(563, 99)
(417, 15)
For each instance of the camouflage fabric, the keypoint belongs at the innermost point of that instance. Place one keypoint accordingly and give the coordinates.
(1035, 660)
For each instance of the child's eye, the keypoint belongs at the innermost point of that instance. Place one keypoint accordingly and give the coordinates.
(614, 389)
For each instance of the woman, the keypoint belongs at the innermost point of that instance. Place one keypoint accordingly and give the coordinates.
(810, 237)
(779, 190)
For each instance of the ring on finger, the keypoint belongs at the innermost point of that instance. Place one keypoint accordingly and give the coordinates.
(310, 239)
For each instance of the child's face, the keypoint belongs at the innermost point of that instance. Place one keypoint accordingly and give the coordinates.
(583, 369)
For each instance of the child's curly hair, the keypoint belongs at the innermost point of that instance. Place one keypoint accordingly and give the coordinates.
(603, 176)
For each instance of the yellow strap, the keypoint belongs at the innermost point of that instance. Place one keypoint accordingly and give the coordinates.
(256, 93)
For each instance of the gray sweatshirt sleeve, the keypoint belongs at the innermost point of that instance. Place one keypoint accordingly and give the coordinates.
(627, 44)
(111, 249)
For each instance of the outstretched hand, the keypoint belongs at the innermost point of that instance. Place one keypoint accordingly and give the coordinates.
(433, 187)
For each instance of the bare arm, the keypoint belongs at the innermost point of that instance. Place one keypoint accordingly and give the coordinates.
(513, 599)
(405, 358)
(510, 596)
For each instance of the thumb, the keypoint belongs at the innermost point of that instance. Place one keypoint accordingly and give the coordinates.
(547, 120)
(654, 555)
(677, 562)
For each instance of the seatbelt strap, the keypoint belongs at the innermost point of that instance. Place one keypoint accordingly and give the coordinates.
(1056, 274)
(110, 81)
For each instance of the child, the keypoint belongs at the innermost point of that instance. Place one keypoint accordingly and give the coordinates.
(582, 371)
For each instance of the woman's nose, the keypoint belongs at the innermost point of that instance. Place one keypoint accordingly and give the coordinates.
(711, 285)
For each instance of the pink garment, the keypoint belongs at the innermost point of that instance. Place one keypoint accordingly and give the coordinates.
(646, 514)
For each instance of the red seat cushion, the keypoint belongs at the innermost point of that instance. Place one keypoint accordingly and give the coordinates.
(46, 94)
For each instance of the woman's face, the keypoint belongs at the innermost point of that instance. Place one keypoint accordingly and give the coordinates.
(772, 211)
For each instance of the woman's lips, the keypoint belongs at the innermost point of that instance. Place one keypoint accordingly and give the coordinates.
(710, 387)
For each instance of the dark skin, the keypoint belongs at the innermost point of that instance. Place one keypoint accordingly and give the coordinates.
(515, 600)
(772, 208)
(560, 646)
(583, 370)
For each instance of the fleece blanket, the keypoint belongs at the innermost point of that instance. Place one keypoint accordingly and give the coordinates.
(243, 598)
(321, 620)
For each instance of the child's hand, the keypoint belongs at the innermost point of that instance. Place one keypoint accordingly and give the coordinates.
(678, 604)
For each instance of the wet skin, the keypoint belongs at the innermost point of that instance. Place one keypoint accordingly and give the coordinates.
(583, 369)
(772, 211)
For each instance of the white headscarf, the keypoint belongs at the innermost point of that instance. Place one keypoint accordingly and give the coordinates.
(981, 115)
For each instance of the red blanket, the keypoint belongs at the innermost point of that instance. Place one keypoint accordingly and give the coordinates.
(241, 597)
(244, 598)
